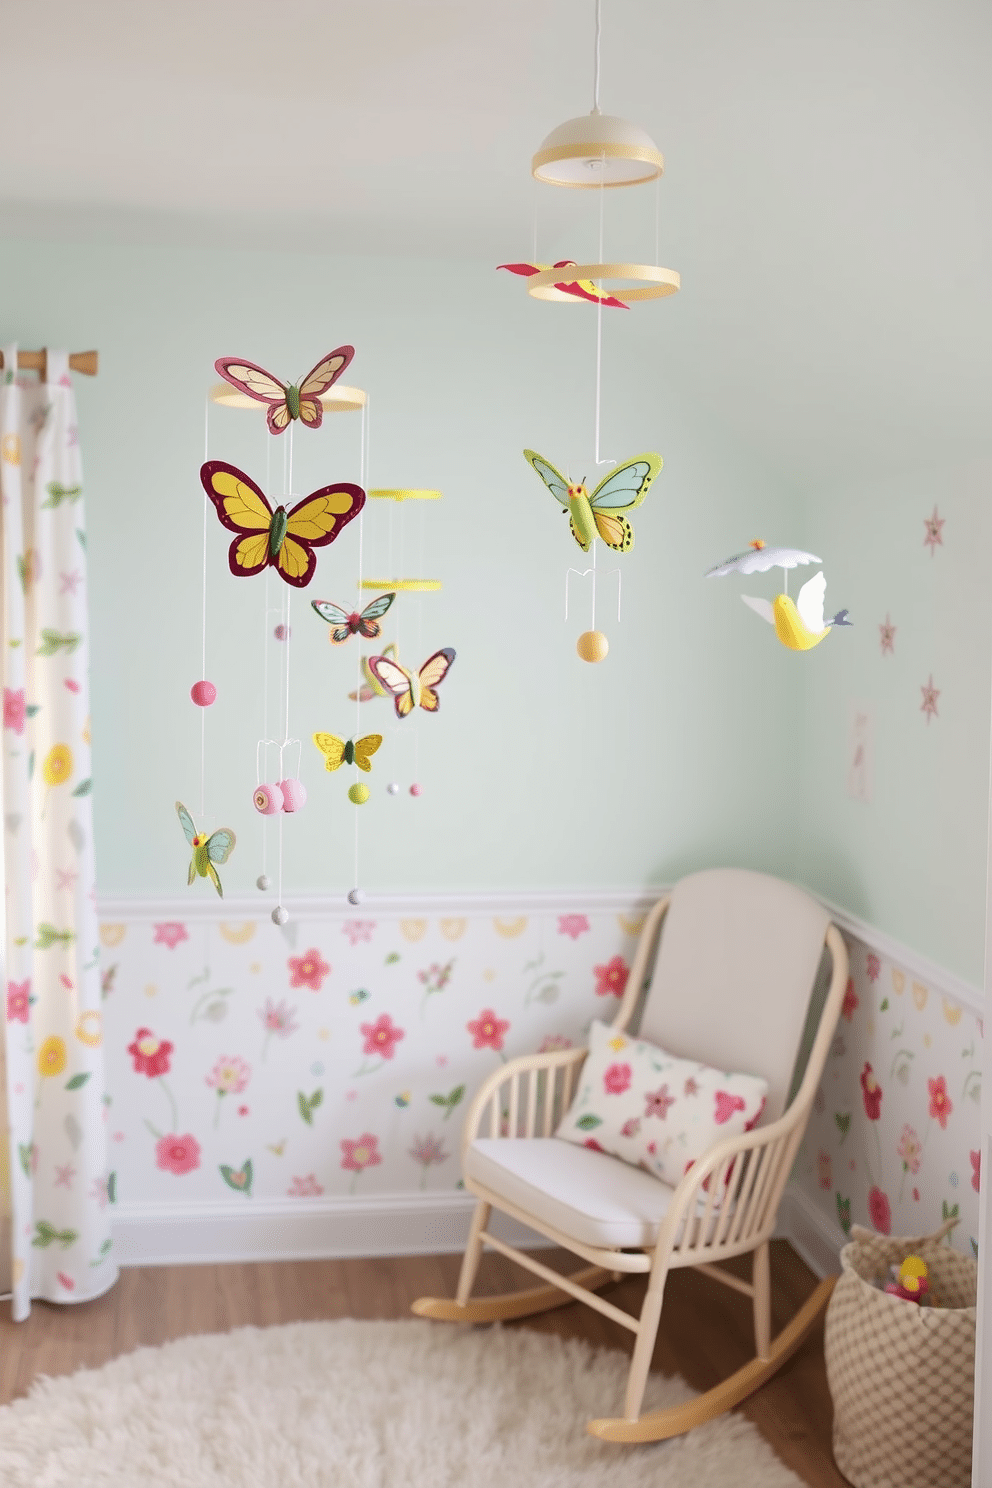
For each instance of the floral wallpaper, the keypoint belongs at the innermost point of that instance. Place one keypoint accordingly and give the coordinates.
(894, 1141)
(335, 1056)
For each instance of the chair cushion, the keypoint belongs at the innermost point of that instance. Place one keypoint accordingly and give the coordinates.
(645, 1106)
(587, 1195)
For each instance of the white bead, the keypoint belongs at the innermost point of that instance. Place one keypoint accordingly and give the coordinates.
(263, 881)
(393, 788)
(355, 896)
(280, 915)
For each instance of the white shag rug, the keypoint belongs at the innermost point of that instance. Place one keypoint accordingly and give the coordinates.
(362, 1405)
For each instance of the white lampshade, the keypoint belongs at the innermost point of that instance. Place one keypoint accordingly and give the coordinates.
(597, 150)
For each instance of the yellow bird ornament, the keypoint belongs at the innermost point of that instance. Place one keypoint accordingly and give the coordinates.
(799, 624)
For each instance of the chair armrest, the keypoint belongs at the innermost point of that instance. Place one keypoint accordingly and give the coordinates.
(509, 1074)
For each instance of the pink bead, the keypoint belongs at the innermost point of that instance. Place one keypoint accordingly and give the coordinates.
(416, 790)
(268, 799)
(294, 794)
(282, 632)
(203, 693)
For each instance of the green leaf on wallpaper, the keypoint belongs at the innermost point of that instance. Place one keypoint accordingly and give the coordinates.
(48, 1235)
(843, 1121)
(392, 958)
(33, 709)
(78, 1081)
(588, 1123)
(238, 1178)
(58, 493)
(83, 788)
(49, 936)
(950, 1211)
(25, 1155)
(112, 1189)
(844, 1214)
(308, 1106)
(54, 641)
(450, 1101)
(82, 538)
(885, 1005)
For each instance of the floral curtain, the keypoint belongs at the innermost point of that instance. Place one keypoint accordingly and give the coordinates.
(55, 1185)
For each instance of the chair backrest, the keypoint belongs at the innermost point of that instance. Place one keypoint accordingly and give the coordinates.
(735, 969)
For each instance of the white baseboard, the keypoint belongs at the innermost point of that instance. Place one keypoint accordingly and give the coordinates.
(815, 1236)
(376, 1225)
(286, 1230)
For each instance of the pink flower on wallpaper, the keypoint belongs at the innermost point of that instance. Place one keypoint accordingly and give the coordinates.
(657, 1102)
(616, 1079)
(873, 966)
(611, 979)
(879, 1211)
(871, 1093)
(175, 1154)
(306, 1187)
(229, 1075)
(553, 1042)
(19, 1001)
(940, 1101)
(307, 970)
(825, 1170)
(361, 1153)
(726, 1105)
(14, 709)
(170, 934)
(382, 1036)
(150, 1054)
(278, 1018)
(910, 1149)
(976, 1170)
(358, 930)
(429, 1149)
(573, 925)
(851, 1001)
(631, 1128)
(488, 1031)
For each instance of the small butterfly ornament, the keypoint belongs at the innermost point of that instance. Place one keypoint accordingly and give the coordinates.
(344, 625)
(286, 401)
(338, 752)
(580, 289)
(601, 514)
(207, 851)
(281, 539)
(370, 687)
(413, 689)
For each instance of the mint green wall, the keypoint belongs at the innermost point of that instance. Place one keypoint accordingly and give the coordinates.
(913, 860)
(679, 751)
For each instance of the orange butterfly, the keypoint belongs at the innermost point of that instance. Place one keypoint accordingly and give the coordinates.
(284, 539)
(287, 401)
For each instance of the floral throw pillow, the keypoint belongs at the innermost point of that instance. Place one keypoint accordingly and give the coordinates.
(653, 1110)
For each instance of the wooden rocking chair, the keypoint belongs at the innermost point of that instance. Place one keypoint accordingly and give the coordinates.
(735, 985)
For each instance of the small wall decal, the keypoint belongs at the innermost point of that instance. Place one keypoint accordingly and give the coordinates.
(930, 696)
(887, 636)
(933, 527)
(861, 754)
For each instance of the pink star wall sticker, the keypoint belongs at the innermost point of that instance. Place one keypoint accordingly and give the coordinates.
(933, 527)
(930, 696)
(887, 635)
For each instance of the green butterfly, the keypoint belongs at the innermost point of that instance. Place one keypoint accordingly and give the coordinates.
(207, 851)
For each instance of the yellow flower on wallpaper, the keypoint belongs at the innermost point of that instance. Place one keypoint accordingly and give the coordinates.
(10, 449)
(88, 1028)
(52, 1058)
(58, 765)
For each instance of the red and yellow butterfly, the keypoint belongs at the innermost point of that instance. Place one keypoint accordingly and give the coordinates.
(287, 401)
(284, 539)
(582, 289)
(343, 625)
(412, 688)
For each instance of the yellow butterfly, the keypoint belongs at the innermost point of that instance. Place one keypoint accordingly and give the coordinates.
(338, 752)
(600, 515)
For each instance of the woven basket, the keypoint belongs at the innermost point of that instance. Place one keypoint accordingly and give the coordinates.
(902, 1376)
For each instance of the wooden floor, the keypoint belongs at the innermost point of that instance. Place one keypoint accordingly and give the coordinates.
(705, 1330)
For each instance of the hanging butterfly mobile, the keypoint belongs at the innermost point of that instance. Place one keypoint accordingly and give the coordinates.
(601, 514)
(286, 401)
(344, 625)
(412, 689)
(338, 752)
(207, 851)
(284, 540)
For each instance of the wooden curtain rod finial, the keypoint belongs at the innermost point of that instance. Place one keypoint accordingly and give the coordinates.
(79, 361)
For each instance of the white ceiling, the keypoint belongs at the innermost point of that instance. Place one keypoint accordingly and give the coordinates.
(826, 195)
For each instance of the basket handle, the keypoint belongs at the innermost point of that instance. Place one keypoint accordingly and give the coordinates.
(858, 1232)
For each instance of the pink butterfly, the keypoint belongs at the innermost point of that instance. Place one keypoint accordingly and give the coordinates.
(287, 401)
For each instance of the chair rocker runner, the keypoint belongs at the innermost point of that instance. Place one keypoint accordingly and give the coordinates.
(734, 985)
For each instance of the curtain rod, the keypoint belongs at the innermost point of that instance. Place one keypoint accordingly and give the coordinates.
(79, 361)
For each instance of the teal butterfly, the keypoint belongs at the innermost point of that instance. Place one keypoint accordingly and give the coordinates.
(207, 851)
